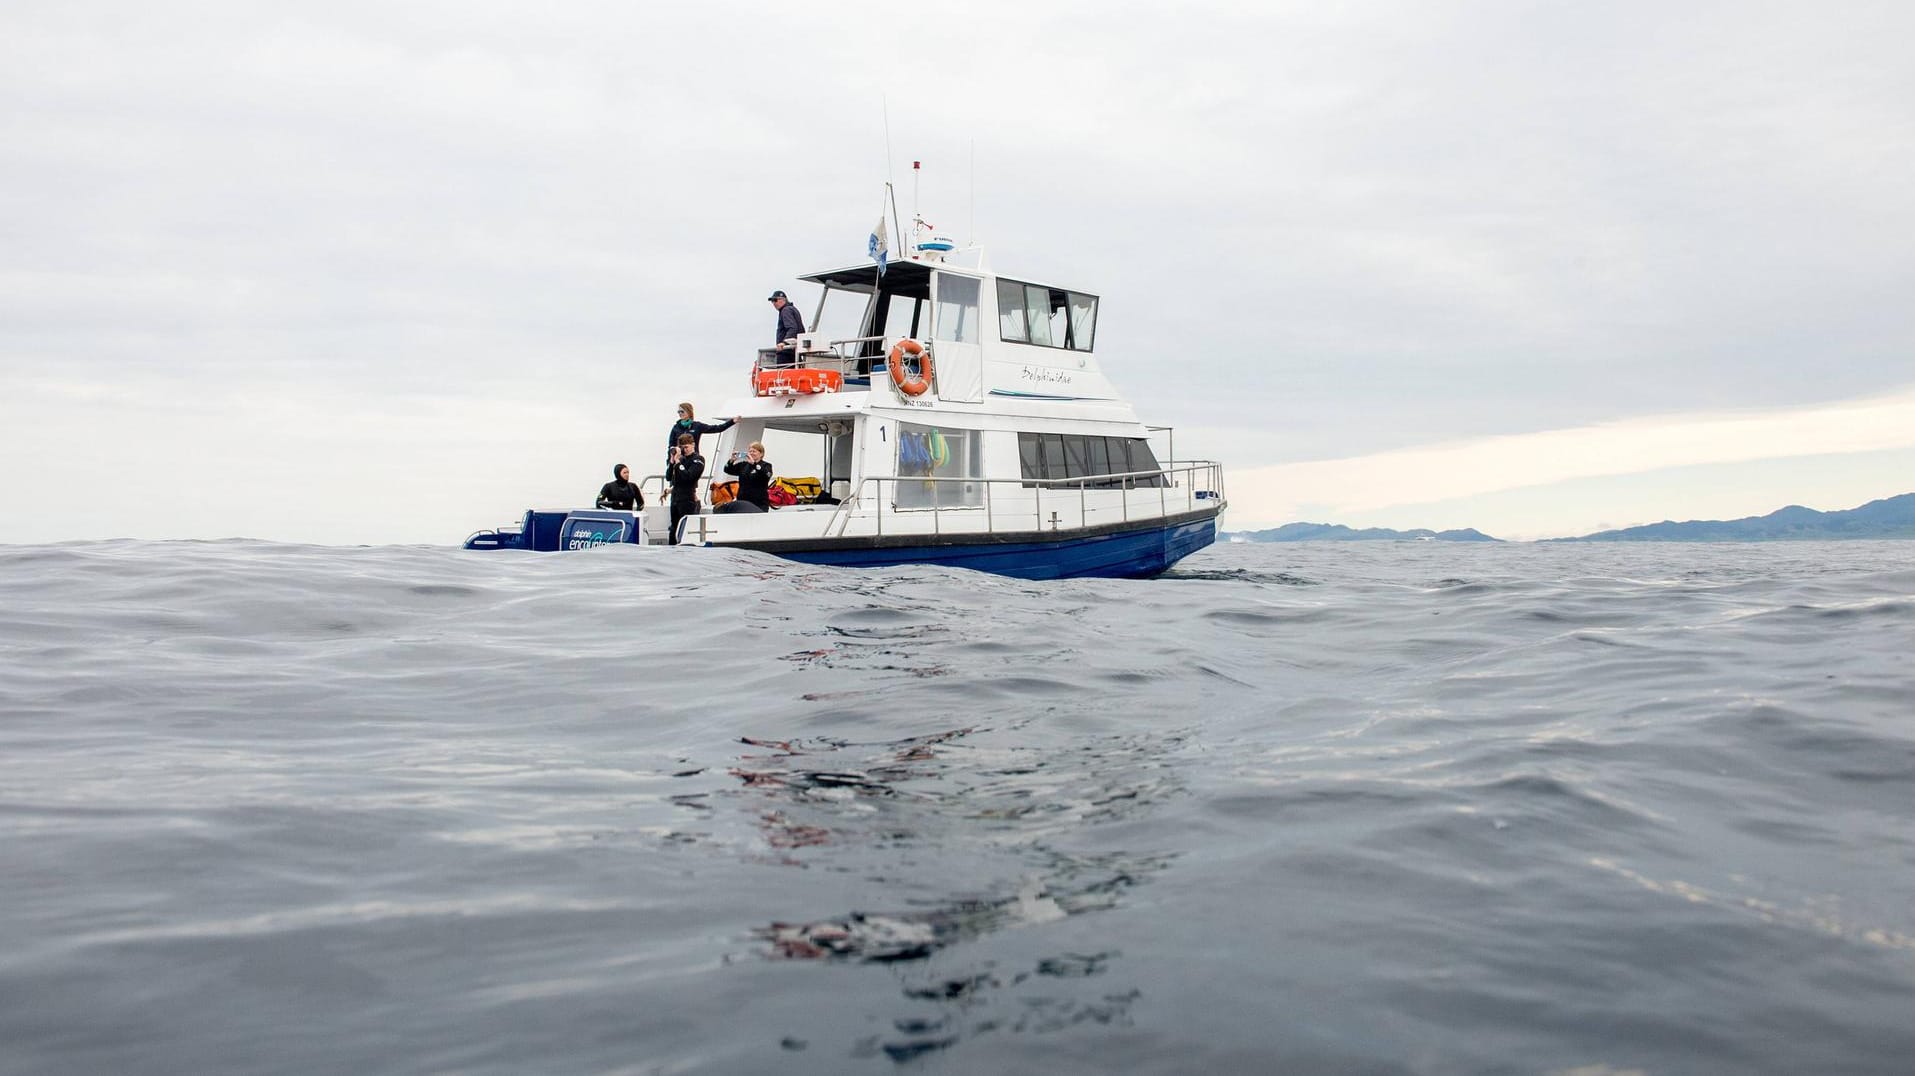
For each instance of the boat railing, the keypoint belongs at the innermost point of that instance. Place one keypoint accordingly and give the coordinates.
(1053, 504)
(848, 356)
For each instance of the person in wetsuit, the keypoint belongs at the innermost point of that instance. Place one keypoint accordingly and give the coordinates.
(754, 479)
(687, 424)
(683, 471)
(621, 492)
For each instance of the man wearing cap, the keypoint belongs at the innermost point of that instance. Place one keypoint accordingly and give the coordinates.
(789, 326)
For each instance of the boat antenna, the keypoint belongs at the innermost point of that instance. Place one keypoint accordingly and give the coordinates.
(890, 173)
(972, 240)
(917, 217)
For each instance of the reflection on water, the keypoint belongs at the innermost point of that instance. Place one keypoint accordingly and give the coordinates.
(916, 788)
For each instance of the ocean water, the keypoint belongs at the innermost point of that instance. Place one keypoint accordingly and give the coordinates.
(1340, 808)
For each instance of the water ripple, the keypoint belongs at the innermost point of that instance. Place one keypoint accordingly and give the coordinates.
(1351, 807)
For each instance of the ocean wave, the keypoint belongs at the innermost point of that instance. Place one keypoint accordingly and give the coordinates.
(408, 809)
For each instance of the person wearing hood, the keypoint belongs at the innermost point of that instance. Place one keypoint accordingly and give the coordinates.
(686, 424)
(621, 492)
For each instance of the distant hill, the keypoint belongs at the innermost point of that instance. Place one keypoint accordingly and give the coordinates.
(1891, 517)
(1336, 532)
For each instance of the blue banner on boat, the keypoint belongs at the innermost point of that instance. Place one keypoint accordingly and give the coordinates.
(583, 530)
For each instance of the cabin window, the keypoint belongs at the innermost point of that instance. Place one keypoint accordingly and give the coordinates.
(957, 309)
(1037, 314)
(1099, 457)
(1045, 316)
(1065, 456)
(1076, 457)
(1132, 455)
(841, 313)
(1053, 455)
(1010, 312)
(1142, 459)
(900, 318)
(1030, 455)
(938, 468)
(1083, 320)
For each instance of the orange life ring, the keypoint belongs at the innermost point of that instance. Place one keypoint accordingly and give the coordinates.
(914, 384)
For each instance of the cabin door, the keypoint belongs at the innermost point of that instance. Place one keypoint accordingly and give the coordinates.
(956, 340)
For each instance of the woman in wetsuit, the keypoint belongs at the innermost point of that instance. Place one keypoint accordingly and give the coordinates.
(754, 477)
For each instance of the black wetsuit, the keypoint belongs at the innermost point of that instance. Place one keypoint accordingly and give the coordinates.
(620, 494)
(684, 476)
(754, 480)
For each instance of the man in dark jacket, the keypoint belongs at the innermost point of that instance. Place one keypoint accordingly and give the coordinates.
(621, 492)
(683, 472)
(790, 324)
(754, 477)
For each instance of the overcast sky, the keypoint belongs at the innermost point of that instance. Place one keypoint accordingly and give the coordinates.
(381, 272)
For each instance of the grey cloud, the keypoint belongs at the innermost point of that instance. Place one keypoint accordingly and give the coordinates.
(1351, 228)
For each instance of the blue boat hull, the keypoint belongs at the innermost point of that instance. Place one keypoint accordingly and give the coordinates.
(1123, 551)
(1112, 553)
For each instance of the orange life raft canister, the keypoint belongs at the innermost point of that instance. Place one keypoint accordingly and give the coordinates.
(795, 381)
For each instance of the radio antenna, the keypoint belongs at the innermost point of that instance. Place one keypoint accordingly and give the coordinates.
(972, 241)
(890, 173)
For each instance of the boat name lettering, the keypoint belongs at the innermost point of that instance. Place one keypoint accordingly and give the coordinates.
(1046, 376)
(588, 539)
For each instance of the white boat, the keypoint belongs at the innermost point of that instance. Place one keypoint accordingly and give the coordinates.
(965, 422)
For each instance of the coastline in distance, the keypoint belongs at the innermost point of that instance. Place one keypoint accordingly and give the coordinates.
(1890, 517)
(1336, 532)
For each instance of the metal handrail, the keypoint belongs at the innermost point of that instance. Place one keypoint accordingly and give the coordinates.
(834, 358)
(705, 483)
(833, 344)
(1213, 485)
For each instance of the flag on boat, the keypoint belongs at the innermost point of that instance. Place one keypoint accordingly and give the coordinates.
(879, 246)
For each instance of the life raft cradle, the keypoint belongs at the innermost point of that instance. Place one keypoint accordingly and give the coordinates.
(795, 381)
(909, 360)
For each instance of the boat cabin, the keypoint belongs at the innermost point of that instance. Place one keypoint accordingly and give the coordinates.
(988, 335)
